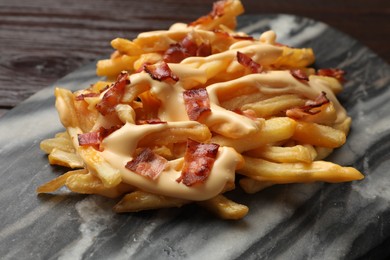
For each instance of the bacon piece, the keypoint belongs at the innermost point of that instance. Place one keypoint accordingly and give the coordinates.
(242, 37)
(113, 95)
(196, 102)
(147, 164)
(89, 139)
(199, 159)
(184, 49)
(175, 53)
(247, 62)
(160, 71)
(217, 11)
(82, 96)
(299, 74)
(95, 138)
(309, 108)
(335, 73)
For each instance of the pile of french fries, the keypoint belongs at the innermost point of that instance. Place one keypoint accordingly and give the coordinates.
(287, 145)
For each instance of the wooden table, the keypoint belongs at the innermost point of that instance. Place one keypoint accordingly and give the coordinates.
(43, 40)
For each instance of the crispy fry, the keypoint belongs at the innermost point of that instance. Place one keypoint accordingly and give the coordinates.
(197, 132)
(295, 58)
(297, 153)
(87, 183)
(319, 135)
(141, 200)
(112, 67)
(225, 208)
(66, 159)
(58, 182)
(274, 130)
(61, 142)
(274, 105)
(262, 170)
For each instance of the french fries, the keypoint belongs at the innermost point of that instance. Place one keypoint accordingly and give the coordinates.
(252, 107)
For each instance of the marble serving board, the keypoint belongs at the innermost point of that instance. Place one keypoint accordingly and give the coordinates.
(298, 221)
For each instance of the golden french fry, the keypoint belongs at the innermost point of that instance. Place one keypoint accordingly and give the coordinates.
(295, 58)
(262, 170)
(318, 135)
(147, 58)
(126, 47)
(275, 106)
(225, 208)
(332, 83)
(95, 162)
(112, 67)
(141, 200)
(297, 153)
(197, 132)
(238, 101)
(58, 182)
(252, 186)
(344, 126)
(65, 107)
(90, 184)
(327, 115)
(66, 159)
(61, 142)
(274, 130)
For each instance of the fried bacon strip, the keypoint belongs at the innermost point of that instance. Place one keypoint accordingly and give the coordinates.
(184, 49)
(147, 164)
(247, 62)
(86, 95)
(309, 108)
(335, 73)
(217, 11)
(160, 71)
(299, 74)
(196, 102)
(96, 137)
(199, 159)
(113, 95)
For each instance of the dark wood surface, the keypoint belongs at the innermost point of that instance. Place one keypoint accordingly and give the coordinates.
(43, 40)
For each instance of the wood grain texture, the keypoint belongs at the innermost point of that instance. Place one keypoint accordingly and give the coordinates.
(43, 40)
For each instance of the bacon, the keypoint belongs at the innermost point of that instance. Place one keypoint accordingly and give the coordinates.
(184, 49)
(335, 73)
(247, 62)
(96, 137)
(309, 108)
(147, 164)
(299, 74)
(89, 139)
(175, 53)
(242, 37)
(160, 71)
(87, 95)
(199, 159)
(113, 95)
(217, 11)
(196, 102)
(203, 50)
